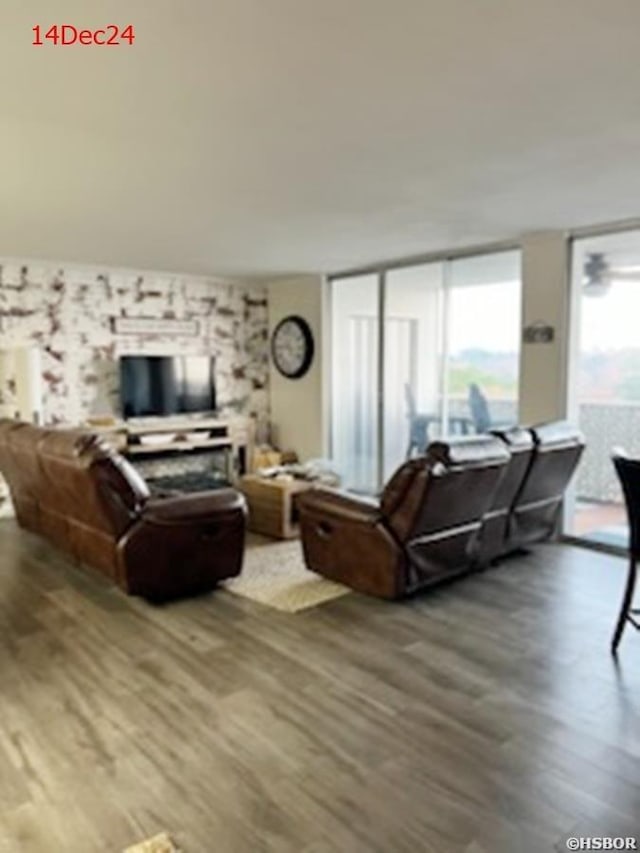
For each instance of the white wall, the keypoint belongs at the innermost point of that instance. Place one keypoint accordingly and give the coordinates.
(299, 406)
(21, 372)
(545, 297)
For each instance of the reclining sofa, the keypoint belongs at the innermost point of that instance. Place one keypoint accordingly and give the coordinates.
(69, 486)
(462, 505)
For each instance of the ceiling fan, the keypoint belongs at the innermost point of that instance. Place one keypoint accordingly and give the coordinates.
(599, 275)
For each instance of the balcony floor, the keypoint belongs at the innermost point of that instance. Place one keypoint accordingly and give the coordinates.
(602, 523)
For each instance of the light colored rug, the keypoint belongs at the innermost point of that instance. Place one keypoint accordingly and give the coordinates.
(158, 844)
(274, 573)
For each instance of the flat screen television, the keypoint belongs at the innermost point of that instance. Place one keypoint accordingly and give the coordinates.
(166, 385)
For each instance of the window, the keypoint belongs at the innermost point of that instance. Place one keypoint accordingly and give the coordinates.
(420, 352)
(413, 359)
(604, 378)
(354, 411)
(483, 340)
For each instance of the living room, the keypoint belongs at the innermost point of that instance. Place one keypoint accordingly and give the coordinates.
(319, 411)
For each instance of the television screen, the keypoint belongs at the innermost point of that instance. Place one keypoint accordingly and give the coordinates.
(166, 385)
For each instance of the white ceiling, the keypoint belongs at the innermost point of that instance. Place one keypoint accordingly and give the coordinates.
(277, 136)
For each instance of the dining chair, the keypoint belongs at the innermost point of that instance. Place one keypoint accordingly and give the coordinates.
(481, 418)
(628, 471)
(419, 424)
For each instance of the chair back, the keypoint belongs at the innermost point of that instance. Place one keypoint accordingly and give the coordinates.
(410, 400)
(479, 408)
(628, 471)
(495, 528)
(88, 482)
(434, 504)
(558, 449)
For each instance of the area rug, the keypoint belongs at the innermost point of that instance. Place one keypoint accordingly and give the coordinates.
(158, 844)
(274, 573)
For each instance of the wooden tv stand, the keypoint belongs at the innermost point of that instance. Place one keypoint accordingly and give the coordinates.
(158, 437)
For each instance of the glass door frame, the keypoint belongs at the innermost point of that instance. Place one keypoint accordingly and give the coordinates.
(572, 356)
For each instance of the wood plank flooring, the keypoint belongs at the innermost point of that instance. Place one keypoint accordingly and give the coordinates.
(484, 717)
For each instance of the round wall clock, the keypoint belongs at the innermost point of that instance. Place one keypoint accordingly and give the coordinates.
(292, 346)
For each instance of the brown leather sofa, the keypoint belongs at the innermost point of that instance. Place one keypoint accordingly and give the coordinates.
(459, 507)
(558, 448)
(528, 501)
(425, 527)
(72, 488)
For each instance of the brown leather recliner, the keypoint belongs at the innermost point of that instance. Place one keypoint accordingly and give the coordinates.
(423, 530)
(537, 506)
(72, 488)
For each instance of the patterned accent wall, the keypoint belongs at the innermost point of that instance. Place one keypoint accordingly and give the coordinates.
(68, 313)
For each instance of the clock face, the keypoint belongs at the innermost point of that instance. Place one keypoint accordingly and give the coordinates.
(292, 347)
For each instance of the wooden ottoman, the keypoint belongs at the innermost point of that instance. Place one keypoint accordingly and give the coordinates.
(271, 504)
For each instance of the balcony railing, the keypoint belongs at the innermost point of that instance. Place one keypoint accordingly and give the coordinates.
(605, 424)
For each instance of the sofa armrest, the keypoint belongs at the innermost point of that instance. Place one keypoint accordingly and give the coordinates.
(183, 545)
(193, 508)
(340, 504)
(345, 539)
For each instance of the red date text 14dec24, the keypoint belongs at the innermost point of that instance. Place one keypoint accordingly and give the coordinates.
(65, 35)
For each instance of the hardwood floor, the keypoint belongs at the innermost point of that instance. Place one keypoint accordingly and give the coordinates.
(484, 717)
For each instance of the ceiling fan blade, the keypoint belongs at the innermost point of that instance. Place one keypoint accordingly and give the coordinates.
(624, 274)
(625, 268)
(599, 275)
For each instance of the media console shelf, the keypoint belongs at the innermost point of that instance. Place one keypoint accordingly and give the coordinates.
(176, 435)
(176, 445)
(173, 436)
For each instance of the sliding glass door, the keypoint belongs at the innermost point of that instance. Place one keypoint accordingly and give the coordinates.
(483, 342)
(355, 380)
(413, 360)
(420, 352)
(605, 379)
